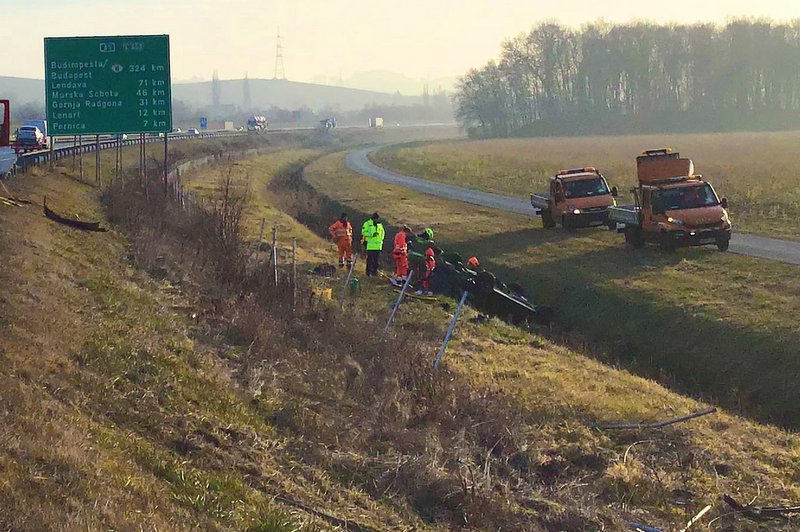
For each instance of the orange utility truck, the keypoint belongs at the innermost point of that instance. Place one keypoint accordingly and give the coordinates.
(674, 206)
(577, 198)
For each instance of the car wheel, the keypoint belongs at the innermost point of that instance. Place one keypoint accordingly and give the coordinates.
(666, 243)
(723, 243)
(547, 220)
(568, 223)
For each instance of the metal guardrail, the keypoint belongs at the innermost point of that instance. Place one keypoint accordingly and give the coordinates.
(37, 158)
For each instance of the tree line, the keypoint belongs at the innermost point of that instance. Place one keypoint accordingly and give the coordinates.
(637, 77)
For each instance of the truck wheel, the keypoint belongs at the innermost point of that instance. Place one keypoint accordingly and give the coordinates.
(612, 226)
(634, 237)
(568, 223)
(723, 243)
(666, 243)
(547, 220)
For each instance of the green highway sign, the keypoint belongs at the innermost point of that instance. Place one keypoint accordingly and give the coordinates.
(107, 85)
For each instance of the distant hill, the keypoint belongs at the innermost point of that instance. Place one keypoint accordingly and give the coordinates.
(264, 93)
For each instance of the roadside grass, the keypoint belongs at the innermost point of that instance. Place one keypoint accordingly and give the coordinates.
(555, 395)
(257, 174)
(559, 391)
(136, 394)
(757, 172)
(718, 326)
(119, 409)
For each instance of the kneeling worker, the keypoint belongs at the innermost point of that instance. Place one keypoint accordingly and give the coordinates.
(342, 233)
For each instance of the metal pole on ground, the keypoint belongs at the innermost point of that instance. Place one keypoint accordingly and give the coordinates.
(399, 300)
(97, 159)
(347, 280)
(450, 330)
(275, 254)
(294, 273)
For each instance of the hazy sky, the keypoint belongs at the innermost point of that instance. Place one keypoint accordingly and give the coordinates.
(327, 37)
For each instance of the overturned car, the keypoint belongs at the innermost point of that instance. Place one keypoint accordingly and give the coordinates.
(488, 294)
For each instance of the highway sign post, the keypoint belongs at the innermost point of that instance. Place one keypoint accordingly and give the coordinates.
(107, 85)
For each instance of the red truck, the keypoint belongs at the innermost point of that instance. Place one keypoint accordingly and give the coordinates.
(674, 207)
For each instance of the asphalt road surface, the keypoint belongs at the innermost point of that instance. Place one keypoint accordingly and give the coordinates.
(741, 243)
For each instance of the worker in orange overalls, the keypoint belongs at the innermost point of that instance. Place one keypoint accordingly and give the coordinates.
(400, 254)
(342, 233)
(425, 277)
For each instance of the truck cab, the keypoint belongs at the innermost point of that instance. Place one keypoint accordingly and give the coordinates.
(8, 156)
(577, 198)
(674, 206)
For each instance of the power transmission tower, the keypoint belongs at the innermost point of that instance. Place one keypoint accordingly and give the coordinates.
(215, 88)
(246, 90)
(280, 73)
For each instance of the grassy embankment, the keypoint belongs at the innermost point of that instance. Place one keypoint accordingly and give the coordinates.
(119, 409)
(556, 392)
(712, 324)
(127, 411)
(558, 389)
(715, 325)
(757, 172)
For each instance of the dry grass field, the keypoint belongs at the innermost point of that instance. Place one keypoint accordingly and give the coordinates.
(758, 172)
(633, 314)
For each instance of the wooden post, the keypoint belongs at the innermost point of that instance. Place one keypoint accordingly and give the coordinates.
(260, 236)
(294, 273)
(275, 254)
(97, 160)
(399, 300)
(450, 330)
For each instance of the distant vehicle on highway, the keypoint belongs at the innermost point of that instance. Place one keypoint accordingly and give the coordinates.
(41, 125)
(327, 123)
(192, 131)
(177, 130)
(257, 123)
(30, 138)
(120, 136)
(376, 122)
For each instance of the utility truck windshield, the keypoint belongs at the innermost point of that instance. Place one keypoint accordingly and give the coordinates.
(687, 197)
(582, 188)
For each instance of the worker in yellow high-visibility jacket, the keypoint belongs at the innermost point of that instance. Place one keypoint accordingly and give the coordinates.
(372, 236)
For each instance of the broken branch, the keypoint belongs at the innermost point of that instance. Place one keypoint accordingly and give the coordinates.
(658, 424)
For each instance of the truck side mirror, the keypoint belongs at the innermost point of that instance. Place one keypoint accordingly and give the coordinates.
(614, 192)
(724, 203)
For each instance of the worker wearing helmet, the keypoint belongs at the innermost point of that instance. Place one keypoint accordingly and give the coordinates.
(425, 277)
(473, 263)
(426, 237)
(400, 254)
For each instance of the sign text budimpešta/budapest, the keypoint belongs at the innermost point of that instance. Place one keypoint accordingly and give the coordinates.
(106, 85)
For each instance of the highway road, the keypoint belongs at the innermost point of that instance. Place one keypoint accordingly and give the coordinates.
(741, 243)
